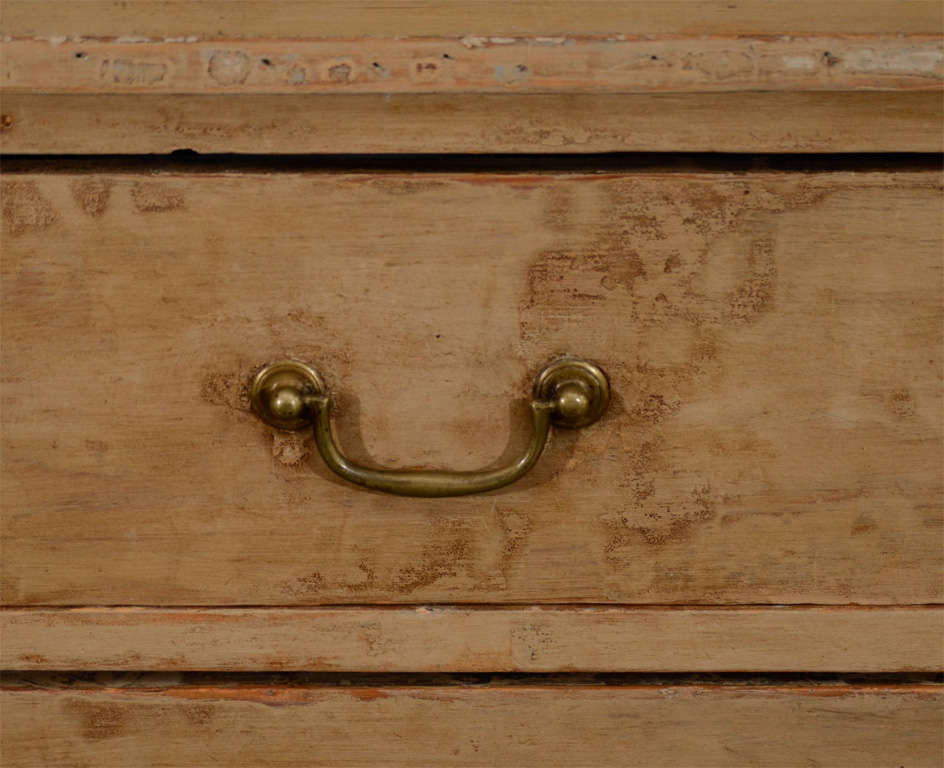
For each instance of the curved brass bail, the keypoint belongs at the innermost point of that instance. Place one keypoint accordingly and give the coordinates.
(568, 393)
(427, 482)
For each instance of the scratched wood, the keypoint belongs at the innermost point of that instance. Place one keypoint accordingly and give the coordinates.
(483, 77)
(458, 639)
(476, 64)
(257, 725)
(772, 340)
(861, 121)
(387, 18)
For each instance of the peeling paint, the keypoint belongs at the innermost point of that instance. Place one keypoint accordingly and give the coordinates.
(907, 61)
(799, 62)
(470, 41)
(611, 62)
(228, 67)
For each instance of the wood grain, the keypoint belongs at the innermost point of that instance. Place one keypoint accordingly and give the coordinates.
(147, 77)
(391, 18)
(140, 123)
(476, 64)
(773, 342)
(473, 726)
(429, 639)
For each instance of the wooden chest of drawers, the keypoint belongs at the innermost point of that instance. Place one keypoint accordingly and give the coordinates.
(738, 563)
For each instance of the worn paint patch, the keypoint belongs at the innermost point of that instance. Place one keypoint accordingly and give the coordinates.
(199, 715)
(225, 388)
(448, 553)
(909, 60)
(99, 720)
(502, 553)
(126, 71)
(228, 67)
(424, 71)
(25, 208)
(668, 517)
(902, 403)
(291, 449)
(341, 71)
(530, 642)
(156, 197)
(663, 280)
(92, 195)
(306, 586)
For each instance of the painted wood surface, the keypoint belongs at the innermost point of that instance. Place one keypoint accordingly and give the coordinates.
(458, 639)
(147, 77)
(475, 64)
(142, 123)
(391, 18)
(491, 726)
(772, 342)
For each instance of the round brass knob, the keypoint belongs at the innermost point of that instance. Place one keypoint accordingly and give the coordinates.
(278, 394)
(573, 404)
(578, 389)
(286, 403)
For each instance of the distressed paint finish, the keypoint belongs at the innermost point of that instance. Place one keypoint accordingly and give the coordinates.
(491, 726)
(387, 18)
(862, 121)
(476, 64)
(461, 639)
(772, 341)
(147, 77)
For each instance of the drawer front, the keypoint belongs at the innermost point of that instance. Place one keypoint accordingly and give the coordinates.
(772, 342)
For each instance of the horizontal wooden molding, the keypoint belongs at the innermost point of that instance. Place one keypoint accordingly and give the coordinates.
(474, 64)
(463, 639)
(386, 18)
(491, 726)
(147, 76)
(860, 121)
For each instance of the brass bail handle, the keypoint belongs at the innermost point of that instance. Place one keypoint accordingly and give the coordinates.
(569, 393)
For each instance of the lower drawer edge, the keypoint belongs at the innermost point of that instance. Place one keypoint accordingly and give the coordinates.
(468, 639)
(491, 725)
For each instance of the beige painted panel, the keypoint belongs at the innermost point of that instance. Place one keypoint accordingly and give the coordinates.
(429, 639)
(541, 123)
(370, 18)
(773, 342)
(474, 726)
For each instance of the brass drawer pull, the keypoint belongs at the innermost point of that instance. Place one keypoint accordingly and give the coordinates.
(568, 393)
